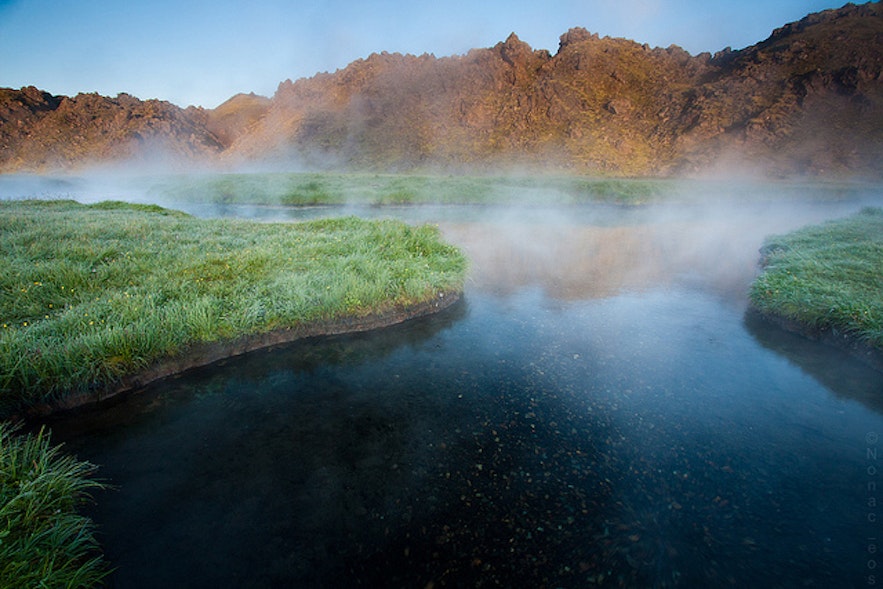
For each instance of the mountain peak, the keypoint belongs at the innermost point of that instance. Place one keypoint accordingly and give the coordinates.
(514, 51)
(574, 36)
(808, 100)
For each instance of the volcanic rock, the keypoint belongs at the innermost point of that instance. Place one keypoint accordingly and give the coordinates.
(808, 100)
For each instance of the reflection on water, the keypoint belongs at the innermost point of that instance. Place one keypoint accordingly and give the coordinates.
(595, 412)
(833, 368)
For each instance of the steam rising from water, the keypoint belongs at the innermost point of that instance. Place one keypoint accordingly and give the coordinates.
(599, 251)
(602, 435)
(704, 234)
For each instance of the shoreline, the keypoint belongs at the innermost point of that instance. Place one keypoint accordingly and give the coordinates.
(870, 355)
(201, 355)
(822, 282)
(114, 295)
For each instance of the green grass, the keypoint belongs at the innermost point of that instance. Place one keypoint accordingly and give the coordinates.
(828, 276)
(330, 188)
(44, 542)
(89, 294)
(366, 189)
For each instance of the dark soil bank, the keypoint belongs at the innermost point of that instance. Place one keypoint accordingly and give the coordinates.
(834, 337)
(206, 354)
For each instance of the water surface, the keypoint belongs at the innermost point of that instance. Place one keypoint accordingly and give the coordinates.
(598, 410)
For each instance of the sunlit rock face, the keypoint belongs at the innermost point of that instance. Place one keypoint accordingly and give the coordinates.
(806, 101)
(41, 132)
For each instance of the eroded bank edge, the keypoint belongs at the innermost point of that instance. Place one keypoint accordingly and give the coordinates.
(831, 336)
(204, 354)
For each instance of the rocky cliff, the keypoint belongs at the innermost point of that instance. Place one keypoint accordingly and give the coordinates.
(39, 131)
(807, 100)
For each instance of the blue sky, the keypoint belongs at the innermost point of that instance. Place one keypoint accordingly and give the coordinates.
(205, 51)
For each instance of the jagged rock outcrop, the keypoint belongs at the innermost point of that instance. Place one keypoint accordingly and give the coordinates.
(807, 100)
(41, 132)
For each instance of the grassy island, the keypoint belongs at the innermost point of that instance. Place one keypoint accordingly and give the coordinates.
(827, 278)
(91, 294)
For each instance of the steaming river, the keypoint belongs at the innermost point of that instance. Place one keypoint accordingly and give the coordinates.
(598, 410)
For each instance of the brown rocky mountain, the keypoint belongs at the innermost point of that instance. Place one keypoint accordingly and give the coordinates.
(807, 100)
(39, 131)
(233, 118)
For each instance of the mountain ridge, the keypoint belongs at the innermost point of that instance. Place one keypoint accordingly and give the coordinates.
(808, 100)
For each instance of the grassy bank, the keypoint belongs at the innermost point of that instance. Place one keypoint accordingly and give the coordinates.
(92, 293)
(370, 189)
(330, 188)
(44, 542)
(827, 277)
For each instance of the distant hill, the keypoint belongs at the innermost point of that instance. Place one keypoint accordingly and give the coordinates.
(806, 101)
(236, 116)
(40, 132)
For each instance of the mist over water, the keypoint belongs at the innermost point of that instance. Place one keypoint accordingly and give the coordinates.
(82, 188)
(707, 230)
(580, 253)
(598, 410)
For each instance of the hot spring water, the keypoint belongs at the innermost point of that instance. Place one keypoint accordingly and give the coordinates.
(597, 410)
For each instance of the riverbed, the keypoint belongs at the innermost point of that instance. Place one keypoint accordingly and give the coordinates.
(599, 409)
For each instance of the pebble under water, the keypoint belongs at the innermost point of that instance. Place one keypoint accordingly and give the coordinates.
(649, 436)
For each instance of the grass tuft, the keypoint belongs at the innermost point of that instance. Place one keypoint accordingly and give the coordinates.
(827, 276)
(44, 542)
